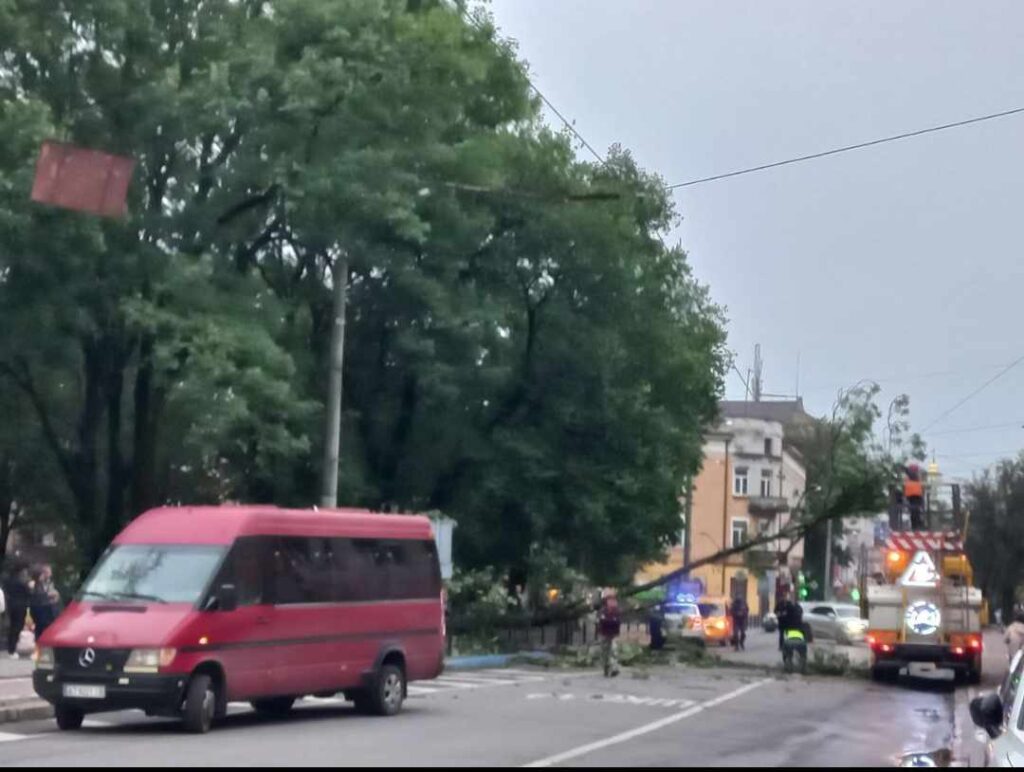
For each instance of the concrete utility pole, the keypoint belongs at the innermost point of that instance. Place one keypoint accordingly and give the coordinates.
(332, 429)
(688, 524)
(828, 559)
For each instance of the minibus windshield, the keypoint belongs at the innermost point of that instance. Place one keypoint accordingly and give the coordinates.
(153, 573)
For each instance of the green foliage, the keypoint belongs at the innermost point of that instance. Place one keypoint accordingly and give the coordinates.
(848, 472)
(995, 533)
(523, 351)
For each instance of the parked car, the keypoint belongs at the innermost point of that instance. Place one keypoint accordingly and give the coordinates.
(770, 622)
(192, 608)
(999, 714)
(842, 622)
(716, 620)
(682, 620)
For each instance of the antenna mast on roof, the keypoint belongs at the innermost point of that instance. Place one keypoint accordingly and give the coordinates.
(757, 384)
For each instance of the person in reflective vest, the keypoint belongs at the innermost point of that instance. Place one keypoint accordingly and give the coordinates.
(795, 645)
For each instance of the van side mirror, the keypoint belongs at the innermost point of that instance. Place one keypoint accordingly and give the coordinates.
(225, 598)
(987, 713)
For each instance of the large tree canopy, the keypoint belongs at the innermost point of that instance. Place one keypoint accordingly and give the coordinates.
(524, 353)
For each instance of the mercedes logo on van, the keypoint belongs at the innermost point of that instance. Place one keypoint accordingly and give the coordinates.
(87, 657)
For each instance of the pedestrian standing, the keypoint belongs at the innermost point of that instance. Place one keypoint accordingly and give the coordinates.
(740, 613)
(782, 615)
(44, 599)
(1014, 635)
(16, 593)
(609, 624)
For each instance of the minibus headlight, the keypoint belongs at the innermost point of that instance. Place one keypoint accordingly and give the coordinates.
(43, 658)
(149, 660)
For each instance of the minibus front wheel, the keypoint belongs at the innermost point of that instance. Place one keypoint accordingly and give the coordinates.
(68, 718)
(200, 705)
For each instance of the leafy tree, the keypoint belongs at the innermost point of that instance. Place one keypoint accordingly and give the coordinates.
(995, 532)
(524, 352)
(102, 334)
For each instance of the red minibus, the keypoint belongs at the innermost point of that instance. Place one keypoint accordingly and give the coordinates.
(194, 607)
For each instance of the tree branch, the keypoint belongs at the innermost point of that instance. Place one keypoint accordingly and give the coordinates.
(25, 382)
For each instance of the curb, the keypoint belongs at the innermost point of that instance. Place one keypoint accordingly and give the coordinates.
(485, 661)
(26, 710)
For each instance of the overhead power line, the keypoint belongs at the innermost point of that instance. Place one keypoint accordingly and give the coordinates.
(970, 429)
(848, 148)
(567, 123)
(974, 393)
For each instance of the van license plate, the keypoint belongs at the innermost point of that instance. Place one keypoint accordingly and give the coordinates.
(83, 692)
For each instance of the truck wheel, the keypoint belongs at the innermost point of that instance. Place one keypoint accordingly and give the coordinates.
(885, 675)
(974, 674)
(68, 719)
(200, 705)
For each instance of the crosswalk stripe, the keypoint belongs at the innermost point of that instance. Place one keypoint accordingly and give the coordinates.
(476, 680)
(415, 691)
(91, 723)
(446, 685)
(9, 737)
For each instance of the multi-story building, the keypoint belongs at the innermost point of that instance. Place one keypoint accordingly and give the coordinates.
(749, 486)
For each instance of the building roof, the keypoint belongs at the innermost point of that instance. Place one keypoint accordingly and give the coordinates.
(783, 411)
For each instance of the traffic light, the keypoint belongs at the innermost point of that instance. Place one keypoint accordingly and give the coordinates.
(855, 595)
(802, 590)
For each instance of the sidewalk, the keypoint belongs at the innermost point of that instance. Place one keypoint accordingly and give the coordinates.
(15, 668)
(18, 700)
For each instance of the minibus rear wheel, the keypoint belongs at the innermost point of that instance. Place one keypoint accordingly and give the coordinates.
(385, 695)
(200, 705)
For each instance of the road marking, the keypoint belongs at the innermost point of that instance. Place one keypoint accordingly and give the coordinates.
(8, 737)
(646, 728)
(616, 699)
(483, 681)
(419, 691)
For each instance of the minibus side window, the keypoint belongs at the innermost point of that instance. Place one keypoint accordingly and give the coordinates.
(350, 572)
(370, 561)
(245, 567)
(413, 571)
(293, 571)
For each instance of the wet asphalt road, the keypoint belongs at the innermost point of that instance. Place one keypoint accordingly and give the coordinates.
(664, 717)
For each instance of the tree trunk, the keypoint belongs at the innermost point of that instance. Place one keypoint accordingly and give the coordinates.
(116, 473)
(144, 440)
(86, 465)
(6, 505)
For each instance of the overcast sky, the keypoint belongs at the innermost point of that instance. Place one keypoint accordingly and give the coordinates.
(901, 263)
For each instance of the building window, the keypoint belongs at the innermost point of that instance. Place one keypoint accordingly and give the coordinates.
(739, 481)
(766, 482)
(739, 532)
(768, 446)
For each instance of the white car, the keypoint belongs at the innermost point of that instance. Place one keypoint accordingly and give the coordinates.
(683, 620)
(1000, 715)
(842, 622)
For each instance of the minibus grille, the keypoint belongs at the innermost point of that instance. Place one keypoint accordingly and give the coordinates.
(101, 660)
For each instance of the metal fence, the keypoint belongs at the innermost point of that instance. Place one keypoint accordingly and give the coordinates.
(544, 637)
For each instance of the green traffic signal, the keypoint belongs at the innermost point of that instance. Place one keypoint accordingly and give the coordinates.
(855, 594)
(803, 593)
